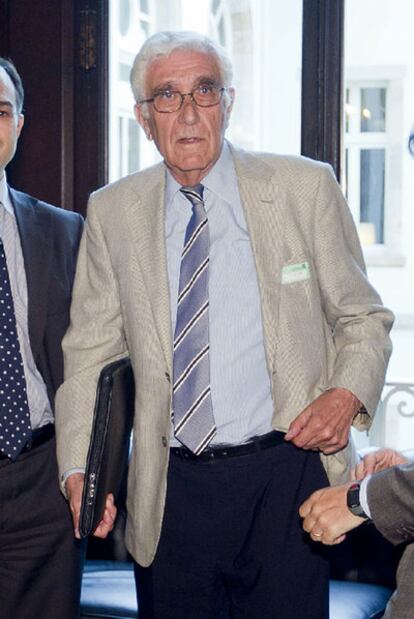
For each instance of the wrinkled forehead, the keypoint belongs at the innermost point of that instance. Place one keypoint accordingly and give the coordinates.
(182, 69)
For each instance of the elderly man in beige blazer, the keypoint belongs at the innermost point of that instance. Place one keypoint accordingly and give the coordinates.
(386, 496)
(287, 347)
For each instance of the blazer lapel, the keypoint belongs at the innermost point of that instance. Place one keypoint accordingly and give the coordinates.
(264, 210)
(35, 237)
(145, 220)
(265, 216)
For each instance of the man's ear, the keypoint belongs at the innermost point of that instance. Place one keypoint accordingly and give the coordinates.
(20, 123)
(142, 120)
(232, 94)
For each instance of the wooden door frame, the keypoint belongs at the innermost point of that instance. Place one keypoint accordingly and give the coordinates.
(322, 81)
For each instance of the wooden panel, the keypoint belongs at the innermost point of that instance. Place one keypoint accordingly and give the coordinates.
(62, 154)
(91, 99)
(322, 80)
(4, 27)
(34, 45)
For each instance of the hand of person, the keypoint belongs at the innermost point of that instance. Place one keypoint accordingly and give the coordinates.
(74, 490)
(326, 516)
(324, 425)
(107, 523)
(377, 461)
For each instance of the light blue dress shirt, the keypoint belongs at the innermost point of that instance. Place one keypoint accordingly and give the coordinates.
(240, 383)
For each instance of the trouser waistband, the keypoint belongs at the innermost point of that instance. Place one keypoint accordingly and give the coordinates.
(219, 452)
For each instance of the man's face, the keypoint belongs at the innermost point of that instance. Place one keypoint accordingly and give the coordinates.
(190, 140)
(11, 122)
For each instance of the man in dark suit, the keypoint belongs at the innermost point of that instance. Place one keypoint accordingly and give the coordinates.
(386, 496)
(40, 560)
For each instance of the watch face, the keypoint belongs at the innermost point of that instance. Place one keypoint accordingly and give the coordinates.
(353, 501)
(353, 496)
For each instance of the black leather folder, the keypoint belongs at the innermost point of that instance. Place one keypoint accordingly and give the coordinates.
(108, 454)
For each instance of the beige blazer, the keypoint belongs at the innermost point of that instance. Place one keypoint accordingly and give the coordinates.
(328, 329)
(391, 501)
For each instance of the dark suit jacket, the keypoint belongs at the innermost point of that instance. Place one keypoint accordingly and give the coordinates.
(391, 501)
(50, 239)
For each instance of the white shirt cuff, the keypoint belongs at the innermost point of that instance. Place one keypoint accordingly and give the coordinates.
(65, 476)
(363, 498)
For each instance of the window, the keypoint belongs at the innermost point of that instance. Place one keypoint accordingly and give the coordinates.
(379, 182)
(131, 22)
(220, 23)
(366, 141)
(378, 117)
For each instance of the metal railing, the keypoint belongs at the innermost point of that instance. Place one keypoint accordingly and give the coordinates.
(393, 425)
(400, 393)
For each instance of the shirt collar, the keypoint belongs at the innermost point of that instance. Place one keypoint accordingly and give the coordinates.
(221, 179)
(5, 196)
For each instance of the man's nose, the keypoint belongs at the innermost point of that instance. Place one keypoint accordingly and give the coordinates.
(189, 112)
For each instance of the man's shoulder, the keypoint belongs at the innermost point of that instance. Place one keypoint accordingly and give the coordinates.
(26, 203)
(128, 188)
(256, 161)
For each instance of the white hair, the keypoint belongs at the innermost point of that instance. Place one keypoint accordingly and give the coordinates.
(162, 44)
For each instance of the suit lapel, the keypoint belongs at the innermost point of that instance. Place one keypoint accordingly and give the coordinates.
(36, 238)
(146, 223)
(264, 209)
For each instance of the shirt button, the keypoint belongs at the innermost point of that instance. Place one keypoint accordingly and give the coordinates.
(167, 376)
(164, 441)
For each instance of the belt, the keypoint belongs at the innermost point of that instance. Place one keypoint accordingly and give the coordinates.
(219, 452)
(38, 437)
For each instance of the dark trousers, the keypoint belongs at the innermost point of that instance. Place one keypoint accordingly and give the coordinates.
(40, 561)
(232, 545)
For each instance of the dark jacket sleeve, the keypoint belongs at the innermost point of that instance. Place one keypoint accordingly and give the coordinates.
(391, 500)
(67, 231)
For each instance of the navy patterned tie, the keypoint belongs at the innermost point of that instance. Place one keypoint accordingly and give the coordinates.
(15, 429)
(192, 409)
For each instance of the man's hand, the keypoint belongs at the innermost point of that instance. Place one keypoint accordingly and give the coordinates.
(107, 523)
(326, 515)
(74, 490)
(324, 425)
(377, 461)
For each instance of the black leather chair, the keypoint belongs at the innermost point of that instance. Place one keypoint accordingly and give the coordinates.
(357, 600)
(108, 592)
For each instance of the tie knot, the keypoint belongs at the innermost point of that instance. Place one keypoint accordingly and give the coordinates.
(193, 194)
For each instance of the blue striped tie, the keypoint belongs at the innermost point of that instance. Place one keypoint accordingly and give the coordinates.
(192, 409)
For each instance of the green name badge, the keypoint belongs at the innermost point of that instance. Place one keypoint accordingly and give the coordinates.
(295, 272)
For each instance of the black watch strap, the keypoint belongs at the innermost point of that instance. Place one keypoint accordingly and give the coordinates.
(352, 500)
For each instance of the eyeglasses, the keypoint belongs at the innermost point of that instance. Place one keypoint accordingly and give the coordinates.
(168, 101)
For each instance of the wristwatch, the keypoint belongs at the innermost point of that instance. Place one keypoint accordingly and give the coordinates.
(352, 500)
